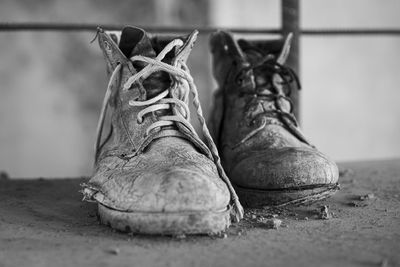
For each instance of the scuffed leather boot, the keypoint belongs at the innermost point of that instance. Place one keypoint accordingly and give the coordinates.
(263, 151)
(153, 174)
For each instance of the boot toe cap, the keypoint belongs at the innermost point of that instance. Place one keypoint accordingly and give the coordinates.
(170, 189)
(285, 168)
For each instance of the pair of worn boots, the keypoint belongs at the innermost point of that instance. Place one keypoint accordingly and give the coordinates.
(154, 175)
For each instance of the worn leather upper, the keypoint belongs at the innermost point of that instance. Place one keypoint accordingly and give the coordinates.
(260, 143)
(169, 171)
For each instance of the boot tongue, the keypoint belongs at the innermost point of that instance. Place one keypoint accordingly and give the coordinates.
(254, 54)
(257, 50)
(277, 51)
(135, 41)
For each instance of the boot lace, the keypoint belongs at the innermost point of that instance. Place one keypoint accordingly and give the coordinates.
(167, 101)
(276, 73)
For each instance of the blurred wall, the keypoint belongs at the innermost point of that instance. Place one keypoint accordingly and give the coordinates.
(350, 96)
(52, 83)
(351, 84)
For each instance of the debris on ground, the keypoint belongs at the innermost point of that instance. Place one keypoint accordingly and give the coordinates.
(363, 201)
(273, 223)
(113, 251)
(367, 197)
(235, 230)
(265, 212)
(220, 235)
(324, 213)
(358, 204)
(181, 236)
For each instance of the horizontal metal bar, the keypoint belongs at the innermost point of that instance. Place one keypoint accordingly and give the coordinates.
(8, 26)
(351, 32)
(42, 26)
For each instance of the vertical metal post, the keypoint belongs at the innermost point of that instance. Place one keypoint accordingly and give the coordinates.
(291, 23)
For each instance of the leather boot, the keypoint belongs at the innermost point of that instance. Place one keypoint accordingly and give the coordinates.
(266, 156)
(152, 172)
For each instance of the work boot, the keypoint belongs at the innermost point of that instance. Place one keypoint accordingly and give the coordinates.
(267, 158)
(152, 172)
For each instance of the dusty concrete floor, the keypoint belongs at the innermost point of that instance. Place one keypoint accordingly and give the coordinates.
(44, 223)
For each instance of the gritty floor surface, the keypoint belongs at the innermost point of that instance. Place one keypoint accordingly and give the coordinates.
(44, 223)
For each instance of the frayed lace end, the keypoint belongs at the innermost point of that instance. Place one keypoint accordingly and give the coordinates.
(237, 211)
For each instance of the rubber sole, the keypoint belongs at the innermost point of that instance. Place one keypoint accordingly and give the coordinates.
(165, 223)
(255, 198)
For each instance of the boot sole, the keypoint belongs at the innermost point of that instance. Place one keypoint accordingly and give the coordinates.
(254, 198)
(166, 223)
